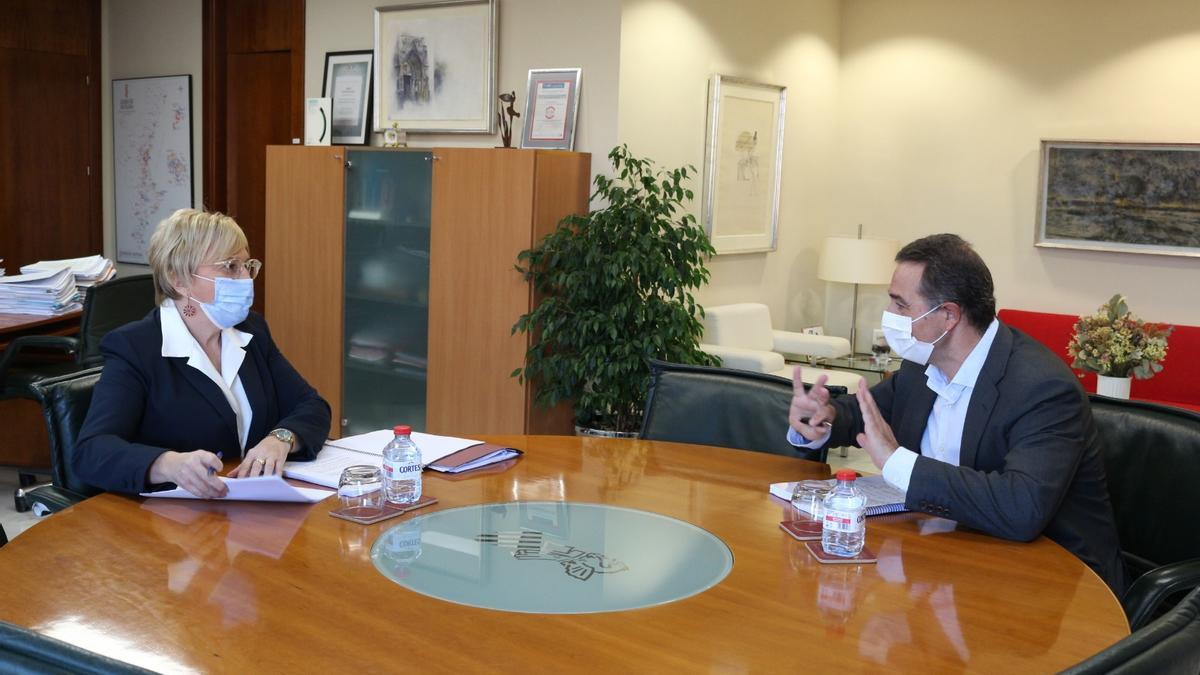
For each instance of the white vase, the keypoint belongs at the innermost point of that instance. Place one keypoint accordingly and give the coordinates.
(1115, 387)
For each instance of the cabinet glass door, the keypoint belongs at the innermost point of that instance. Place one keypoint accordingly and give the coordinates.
(387, 289)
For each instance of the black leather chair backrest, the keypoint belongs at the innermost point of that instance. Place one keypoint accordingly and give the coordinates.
(27, 652)
(1152, 461)
(730, 408)
(110, 305)
(1168, 646)
(65, 401)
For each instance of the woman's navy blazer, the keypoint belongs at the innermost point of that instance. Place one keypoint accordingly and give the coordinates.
(146, 403)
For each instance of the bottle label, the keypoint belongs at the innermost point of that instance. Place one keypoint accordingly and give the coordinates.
(844, 521)
(393, 471)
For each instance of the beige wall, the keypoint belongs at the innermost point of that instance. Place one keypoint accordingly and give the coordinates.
(147, 38)
(533, 34)
(669, 48)
(941, 106)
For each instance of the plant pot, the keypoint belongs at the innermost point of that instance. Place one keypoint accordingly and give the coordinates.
(1114, 387)
(604, 433)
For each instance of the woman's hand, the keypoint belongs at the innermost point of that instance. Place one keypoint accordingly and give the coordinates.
(194, 471)
(264, 459)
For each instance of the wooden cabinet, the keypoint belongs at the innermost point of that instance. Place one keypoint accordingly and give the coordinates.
(393, 288)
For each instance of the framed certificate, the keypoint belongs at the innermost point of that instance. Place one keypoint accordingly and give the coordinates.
(551, 106)
(347, 84)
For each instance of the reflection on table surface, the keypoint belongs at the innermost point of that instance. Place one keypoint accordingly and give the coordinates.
(212, 586)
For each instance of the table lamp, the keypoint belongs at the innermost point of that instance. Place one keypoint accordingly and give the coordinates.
(857, 261)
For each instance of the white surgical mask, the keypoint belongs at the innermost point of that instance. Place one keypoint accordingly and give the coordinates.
(897, 330)
(231, 301)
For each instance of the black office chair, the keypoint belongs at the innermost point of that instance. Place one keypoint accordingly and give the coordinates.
(108, 305)
(1152, 462)
(725, 407)
(27, 652)
(1168, 646)
(65, 401)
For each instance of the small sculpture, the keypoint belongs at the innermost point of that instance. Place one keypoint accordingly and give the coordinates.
(506, 124)
(391, 137)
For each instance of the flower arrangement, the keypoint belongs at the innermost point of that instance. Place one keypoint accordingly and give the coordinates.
(1115, 343)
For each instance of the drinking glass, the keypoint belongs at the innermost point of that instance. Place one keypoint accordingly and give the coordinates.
(809, 497)
(360, 490)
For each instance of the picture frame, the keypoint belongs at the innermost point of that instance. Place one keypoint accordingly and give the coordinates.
(1119, 197)
(435, 66)
(349, 85)
(551, 108)
(740, 206)
(152, 158)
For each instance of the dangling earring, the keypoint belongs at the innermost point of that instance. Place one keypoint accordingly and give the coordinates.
(189, 310)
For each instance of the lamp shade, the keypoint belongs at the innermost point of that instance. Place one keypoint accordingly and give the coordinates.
(857, 261)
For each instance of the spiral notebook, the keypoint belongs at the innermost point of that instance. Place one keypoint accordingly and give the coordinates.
(881, 497)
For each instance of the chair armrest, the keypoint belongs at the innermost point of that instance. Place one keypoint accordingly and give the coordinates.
(1142, 599)
(746, 359)
(51, 499)
(60, 342)
(819, 346)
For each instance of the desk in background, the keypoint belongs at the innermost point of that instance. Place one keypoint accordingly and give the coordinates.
(24, 442)
(228, 587)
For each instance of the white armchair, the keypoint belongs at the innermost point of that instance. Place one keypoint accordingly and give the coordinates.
(742, 337)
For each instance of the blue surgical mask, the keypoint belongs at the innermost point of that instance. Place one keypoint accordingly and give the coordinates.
(231, 301)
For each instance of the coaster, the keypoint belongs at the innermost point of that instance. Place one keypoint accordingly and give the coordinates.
(369, 516)
(814, 547)
(802, 530)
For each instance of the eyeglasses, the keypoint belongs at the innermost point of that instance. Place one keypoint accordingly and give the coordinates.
(234, 267)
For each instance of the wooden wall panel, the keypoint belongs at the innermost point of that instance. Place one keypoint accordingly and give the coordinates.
(56, 26)
(482, 209)
(305, 205)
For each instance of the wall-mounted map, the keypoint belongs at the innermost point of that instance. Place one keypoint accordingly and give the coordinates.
(152, 157)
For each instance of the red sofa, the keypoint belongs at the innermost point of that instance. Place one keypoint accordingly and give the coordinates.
(1178, 384)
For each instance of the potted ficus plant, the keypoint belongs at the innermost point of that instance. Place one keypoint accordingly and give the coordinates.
(616, 289)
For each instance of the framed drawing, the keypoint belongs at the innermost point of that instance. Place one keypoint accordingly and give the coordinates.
(348, 84)
(551, 105)
(152, 157)
(1126, 197)
(743, 159)
(435, 66)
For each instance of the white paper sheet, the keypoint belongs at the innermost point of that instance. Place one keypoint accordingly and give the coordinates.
(256, 489)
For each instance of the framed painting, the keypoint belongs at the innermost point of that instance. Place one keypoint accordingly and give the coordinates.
(743, 160)
(1123, 197)
(435, 66)
(152, 157)
(347, 85)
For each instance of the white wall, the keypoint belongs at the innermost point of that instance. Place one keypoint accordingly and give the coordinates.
(669, 49)
(941, 107)
(533, 34)
(146, 38)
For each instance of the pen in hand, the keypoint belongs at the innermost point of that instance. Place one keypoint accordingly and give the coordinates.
(824, 423)
(211, 470)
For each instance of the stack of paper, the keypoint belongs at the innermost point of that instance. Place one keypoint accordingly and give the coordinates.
(89, 270)
(367, 448)
(48, 293)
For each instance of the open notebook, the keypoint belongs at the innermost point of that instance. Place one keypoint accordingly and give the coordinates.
(881, 497)
(447, 454)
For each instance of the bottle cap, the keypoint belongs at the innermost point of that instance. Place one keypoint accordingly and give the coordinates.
(846, 474)
(402, 430)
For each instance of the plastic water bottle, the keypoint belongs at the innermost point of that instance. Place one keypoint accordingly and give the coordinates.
(402, 468)
(844, 526)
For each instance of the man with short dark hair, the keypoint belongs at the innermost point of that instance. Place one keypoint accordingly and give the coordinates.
(995, 432)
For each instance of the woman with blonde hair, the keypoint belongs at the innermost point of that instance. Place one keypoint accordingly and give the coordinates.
(199, 378)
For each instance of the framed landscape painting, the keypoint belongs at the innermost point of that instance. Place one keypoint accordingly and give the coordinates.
(435, 66)
(1124, 197)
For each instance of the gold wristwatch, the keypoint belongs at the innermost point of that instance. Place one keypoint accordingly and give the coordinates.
(286, 436)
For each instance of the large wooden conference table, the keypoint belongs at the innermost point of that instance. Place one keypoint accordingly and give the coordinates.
(247, 587)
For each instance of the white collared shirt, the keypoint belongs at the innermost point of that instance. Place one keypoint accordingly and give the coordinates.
(178, 342)
(942, 439)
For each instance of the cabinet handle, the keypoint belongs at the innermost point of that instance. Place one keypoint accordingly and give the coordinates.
(349, 164)
(432, 157)
(345, 422)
